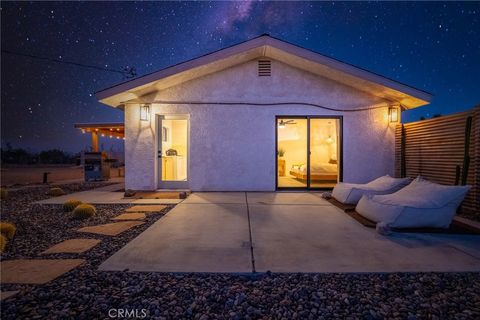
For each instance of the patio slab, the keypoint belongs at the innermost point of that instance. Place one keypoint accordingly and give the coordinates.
(307, 238)
(216, 197)
(111, 229)
(72, 246)
(106, 195)
(130, 216)
(190, 238)
(209, 235)
(4, 295)
(146, 208)
(36, 271)
(287, 198)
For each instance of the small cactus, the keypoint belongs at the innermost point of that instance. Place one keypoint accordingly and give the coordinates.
(7, 229)
(3, 193)
(3, 243)
(84, 211)
(71, 204)
(56, 192)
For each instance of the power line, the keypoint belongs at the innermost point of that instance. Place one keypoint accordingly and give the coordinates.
(127, 72)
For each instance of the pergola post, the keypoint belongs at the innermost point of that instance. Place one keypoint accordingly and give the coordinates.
(95, 141)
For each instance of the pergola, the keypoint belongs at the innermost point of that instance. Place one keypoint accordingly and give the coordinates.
(111, 130)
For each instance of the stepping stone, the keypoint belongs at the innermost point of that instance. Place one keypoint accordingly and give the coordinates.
(111, 229)
(72, 246)
(152, 208)
(8, 294)
(36, 271)
(130, 216)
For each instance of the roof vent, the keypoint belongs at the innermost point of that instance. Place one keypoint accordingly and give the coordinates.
(264, 68)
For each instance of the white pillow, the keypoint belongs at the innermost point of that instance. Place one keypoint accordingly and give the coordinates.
(420, 204)
(350, 193)
(385, 183)
(421, 193)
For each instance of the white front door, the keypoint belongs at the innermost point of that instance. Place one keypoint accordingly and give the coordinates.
(173, 151)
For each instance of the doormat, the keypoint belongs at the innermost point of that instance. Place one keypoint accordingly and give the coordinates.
(159, 195)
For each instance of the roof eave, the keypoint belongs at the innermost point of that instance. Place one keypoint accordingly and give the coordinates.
(115, 96)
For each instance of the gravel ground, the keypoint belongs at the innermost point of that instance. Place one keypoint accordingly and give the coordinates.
(85, 293)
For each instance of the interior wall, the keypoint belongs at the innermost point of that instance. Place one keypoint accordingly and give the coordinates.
(323, 140)
(293, 140)
(179, 136)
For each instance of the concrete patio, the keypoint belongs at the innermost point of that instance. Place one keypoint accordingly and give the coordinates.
(283, 232)
(106, 195)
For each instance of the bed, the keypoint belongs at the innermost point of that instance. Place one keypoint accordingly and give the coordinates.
(323, 172)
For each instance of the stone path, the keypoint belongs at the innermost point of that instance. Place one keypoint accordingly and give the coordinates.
(40, 271)
(130, 216)
(72, 246)
(36, 271)
(111, 229)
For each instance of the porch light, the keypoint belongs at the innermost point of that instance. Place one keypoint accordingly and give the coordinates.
(145, 112)
(393, 114)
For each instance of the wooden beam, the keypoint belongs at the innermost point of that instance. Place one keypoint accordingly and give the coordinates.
(94, 141)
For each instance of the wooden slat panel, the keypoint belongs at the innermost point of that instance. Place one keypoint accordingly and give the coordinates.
(434, 147)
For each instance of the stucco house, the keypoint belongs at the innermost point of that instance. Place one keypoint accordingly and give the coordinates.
(261, 115)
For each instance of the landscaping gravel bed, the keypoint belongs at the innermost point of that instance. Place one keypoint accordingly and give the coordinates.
(85, 293)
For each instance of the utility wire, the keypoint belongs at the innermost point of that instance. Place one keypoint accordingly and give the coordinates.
(229, 103)
(127, 72)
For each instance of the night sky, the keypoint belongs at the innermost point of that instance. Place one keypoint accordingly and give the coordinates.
(432, 46)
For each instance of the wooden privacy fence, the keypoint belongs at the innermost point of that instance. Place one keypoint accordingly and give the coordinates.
(436, 149)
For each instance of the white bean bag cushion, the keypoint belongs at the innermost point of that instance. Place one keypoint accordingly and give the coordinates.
(421, 204)
(350, 193)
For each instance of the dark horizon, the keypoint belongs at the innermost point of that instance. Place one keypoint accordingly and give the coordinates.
(431, 46)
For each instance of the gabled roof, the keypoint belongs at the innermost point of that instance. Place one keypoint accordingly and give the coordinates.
(269, 47)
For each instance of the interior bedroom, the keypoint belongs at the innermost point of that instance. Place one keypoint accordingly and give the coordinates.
(293, 137)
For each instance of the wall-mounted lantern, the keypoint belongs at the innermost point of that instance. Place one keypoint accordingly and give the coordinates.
(394, 114)
(145, 112)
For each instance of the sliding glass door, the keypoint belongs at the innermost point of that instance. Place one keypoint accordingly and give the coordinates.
(308, 152)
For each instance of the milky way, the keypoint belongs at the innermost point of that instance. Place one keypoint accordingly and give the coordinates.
(432, 46)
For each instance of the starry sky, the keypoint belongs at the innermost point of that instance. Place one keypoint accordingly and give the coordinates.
(432, 46)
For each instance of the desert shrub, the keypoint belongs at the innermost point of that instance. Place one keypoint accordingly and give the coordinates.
(55, 192)
(3, 243)
(71, 204)
(3, 193)
(7, 229)
(84, 211)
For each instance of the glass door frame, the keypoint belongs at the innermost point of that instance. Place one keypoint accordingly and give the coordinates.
(161, 184)
(340, 156)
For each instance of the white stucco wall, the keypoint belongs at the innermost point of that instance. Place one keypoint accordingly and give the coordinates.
(233, 147)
